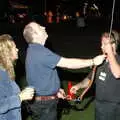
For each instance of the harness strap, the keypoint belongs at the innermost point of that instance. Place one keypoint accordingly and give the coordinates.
(90, 84)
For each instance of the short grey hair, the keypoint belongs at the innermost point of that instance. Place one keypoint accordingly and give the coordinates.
(28, 32)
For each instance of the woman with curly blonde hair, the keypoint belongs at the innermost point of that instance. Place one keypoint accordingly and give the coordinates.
(6, 58)
(10, 95)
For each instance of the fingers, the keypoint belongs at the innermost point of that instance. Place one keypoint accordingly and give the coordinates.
(29, 90)
(61, 94)
(27, 93)
(73, 90)
(99, 59)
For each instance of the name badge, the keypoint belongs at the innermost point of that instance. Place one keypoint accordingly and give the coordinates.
(102, 76)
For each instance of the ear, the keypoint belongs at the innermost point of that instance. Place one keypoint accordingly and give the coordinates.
(35, 36)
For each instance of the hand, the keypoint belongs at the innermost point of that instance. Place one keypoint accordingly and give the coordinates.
(99, 59)
(27, 94)
(61, 94)
(74, 89)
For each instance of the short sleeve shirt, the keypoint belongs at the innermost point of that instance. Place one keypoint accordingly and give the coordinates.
(41, 70)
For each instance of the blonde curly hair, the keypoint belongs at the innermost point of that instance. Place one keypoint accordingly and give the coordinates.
(6, 45)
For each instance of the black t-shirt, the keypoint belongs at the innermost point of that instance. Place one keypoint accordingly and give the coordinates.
(107, 86)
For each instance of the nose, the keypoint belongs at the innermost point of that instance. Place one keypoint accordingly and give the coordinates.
(17, 50)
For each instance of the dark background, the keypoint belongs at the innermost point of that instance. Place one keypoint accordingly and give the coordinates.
(39, 6)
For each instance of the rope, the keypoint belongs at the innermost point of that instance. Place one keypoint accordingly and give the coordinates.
(111, 24)
(90, 84)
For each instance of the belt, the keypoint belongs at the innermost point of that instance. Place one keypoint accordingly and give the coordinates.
(45, 98)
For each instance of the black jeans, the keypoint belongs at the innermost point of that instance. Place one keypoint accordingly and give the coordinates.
(107, 110)
(44, 110)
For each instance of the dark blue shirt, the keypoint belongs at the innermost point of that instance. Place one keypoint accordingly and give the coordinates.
(10, 104)
(41, 69)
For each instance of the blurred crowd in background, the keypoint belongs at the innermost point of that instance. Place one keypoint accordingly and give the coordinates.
(55, 11)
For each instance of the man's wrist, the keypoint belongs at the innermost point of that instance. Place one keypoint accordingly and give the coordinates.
(93, 63)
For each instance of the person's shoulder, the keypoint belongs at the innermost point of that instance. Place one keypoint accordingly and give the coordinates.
(2, 70)
(3, 73)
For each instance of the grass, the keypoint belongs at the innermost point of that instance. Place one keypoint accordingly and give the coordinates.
(87, 114)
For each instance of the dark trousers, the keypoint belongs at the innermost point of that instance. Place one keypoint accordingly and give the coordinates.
(44, 110)
(107, 110)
